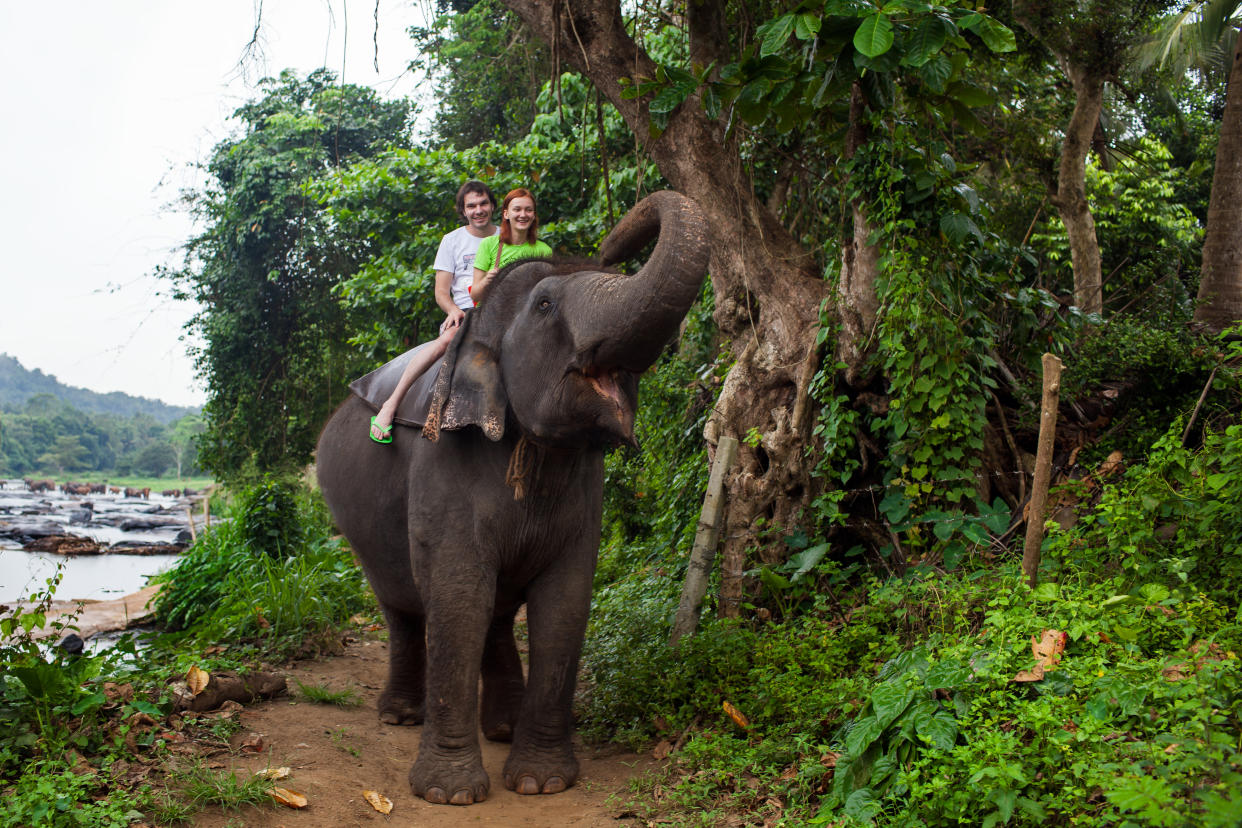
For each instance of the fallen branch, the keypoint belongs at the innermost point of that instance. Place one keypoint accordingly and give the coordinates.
(222, 687)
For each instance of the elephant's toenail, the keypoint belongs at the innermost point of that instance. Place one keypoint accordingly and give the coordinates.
(527, 786)
(462, 797)
(554, 785)
(436, 796)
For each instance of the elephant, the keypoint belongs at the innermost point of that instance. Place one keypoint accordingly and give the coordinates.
(499, 502)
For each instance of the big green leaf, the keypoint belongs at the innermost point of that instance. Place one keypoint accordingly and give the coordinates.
(890, 700)
(862, 734)
(862, 806)
(776, 34)
(926, 40)
(996, 36)
(940, 730)
(875, 36)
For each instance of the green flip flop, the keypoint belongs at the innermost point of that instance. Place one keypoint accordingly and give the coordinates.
(387, 430)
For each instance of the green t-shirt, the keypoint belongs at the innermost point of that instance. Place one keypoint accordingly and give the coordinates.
(485, 258)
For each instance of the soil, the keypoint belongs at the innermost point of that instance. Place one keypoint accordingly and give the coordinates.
(335, 753)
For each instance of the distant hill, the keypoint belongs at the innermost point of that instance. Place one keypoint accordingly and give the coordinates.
(17, 384)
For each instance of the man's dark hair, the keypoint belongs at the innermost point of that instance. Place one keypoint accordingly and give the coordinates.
(466, 189)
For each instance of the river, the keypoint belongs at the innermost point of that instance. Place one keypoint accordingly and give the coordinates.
(107, 519)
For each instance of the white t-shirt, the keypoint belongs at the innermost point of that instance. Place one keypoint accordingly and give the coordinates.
(456, 255)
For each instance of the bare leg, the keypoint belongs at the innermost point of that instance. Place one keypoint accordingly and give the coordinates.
(414, 369)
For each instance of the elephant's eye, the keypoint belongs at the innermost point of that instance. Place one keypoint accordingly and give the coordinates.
(545, 303)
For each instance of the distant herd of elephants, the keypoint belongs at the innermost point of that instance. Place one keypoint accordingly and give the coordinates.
(72, 488)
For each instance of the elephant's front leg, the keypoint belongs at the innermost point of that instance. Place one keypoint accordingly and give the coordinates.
(449, 767)
(542, 759)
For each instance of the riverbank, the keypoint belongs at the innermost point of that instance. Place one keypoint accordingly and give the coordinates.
(96, 617)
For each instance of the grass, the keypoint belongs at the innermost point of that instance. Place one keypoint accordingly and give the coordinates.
(322, 695)
(198, 787)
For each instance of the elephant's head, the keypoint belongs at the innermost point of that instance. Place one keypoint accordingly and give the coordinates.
(558, 346)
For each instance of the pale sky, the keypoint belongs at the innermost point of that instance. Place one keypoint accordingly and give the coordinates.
(106, 105)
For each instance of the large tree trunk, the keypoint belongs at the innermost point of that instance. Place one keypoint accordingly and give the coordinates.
(1220, 285)
(860, 265)
(768, 291)
(1087, 59)
(1071, 199)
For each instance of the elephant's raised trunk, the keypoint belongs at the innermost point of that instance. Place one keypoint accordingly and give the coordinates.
(639, 314)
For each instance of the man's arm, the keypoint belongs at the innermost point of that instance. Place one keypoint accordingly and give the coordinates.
(444, 297)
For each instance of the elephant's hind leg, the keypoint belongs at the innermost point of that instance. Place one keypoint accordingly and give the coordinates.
(404, 697)
(503, 684)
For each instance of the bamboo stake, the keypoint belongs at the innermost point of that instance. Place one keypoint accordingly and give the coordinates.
(1043, 468)
(703, 554)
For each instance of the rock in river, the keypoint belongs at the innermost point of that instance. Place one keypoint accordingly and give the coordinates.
(25, 532)
(64, 545)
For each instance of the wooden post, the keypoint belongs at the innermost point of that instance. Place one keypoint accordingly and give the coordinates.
(1043, 468)
(703, 553)
(189, 515)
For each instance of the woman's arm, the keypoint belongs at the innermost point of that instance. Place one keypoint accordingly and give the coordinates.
(481, 284)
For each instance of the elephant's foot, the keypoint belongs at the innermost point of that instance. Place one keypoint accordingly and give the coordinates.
(400, 708)
(540, 773)
(443, 782)
(499, 714)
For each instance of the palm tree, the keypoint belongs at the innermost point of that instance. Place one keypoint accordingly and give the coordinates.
(1199, 37)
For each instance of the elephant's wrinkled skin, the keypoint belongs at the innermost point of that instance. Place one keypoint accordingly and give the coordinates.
(501, 505)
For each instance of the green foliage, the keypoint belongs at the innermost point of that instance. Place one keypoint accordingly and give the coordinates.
(264, 579)
(49, 794)
(486, 78)
(802, 63)
(932, 349)
(893, 701)
(1147, 237)
(273, 355)
(1159, 370)
(47, 436)
(268, 516)
(53, 708)
(1172, 518)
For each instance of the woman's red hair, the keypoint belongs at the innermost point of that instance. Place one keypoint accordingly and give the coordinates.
(506, 232)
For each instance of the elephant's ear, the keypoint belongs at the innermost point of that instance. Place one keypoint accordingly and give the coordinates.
(468, 391)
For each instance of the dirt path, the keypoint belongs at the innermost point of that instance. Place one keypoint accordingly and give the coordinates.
(335, 753)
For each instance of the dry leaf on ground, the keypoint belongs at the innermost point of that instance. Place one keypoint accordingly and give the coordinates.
(1047, 650)
(288, 798)
(273, 773)
(736, 715)
(378, 801)
(197, 679)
